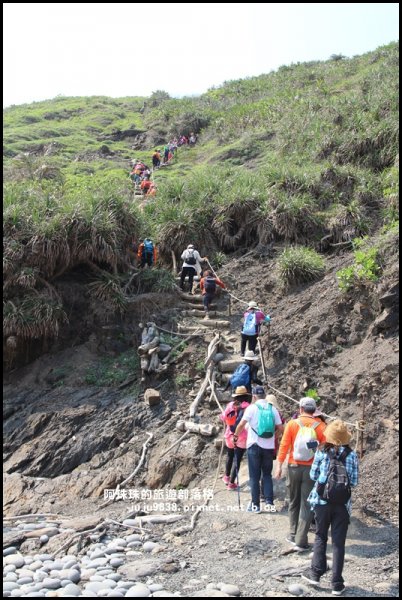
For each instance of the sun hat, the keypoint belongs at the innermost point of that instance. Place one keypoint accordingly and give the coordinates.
(337, 433)
(190, 246)
(252, 304)
(308, 403)
(241, 390)
(249, 355)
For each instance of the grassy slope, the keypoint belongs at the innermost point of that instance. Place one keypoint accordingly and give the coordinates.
(305, 155)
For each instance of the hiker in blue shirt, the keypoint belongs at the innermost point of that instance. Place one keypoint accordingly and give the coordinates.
(334, 511)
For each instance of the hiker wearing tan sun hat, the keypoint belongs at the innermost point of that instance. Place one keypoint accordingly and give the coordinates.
(335, 471)
(252, 320)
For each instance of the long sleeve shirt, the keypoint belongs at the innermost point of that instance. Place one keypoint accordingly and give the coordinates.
(319, 472)
(289, 436)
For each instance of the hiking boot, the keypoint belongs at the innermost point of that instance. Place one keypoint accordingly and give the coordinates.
(253, 508)
(311, 577)
(232, 486)
(226, 479)
(270, 507)
(291, 539)
(302, 548)
(338, 589)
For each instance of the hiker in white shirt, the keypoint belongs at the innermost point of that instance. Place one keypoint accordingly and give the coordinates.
(260, 450)
(191, 265)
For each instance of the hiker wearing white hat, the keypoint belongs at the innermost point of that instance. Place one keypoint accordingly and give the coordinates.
(252, 319)
(191, 265)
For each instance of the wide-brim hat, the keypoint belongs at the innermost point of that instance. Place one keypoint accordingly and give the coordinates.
(272, 400)
(249, 355)
(337, 433)
(252, 304)
(241, 390)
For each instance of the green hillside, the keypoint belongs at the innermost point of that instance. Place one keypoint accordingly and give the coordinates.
(306, 155)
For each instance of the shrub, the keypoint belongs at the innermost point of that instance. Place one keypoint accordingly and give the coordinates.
(365, 269)
(299, 264)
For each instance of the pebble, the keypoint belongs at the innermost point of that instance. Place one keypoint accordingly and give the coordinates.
(71, 590)
(230, 589)
(9, 569)
(9, 550)
(149, 546)
(138, 591)
(297, 589)
(51, 583)
(15, 559)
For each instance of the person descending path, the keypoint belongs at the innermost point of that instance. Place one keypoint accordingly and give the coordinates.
(300, 438)
(208, 285)
(335, 471)
(191, 265)
(263, 421)
(147, 253)
(252, 320)
(246, 374)
(146, 184)
(232, 416)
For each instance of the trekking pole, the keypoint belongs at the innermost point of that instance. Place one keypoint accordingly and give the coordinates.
(262, 360)
(237, 475)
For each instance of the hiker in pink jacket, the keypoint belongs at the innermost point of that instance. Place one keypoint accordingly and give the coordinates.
(232, 416)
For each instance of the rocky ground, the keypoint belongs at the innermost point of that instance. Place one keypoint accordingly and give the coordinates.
(65, 444)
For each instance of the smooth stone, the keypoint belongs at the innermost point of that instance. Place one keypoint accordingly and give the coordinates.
(149, 546)
(51, 583)
(43, 557)
(86, 574)
(138, 591)
(156, 587)
(9, 550)
(134, 537)
(13, 577)
(134, 544)
(230, 589)
(115, 594)
(24, 580)
(73, 575)
(37, 564)
(114, 576)
(97, 586)
(10, 585)
(44, 539)
(70, 564)
(9, 569)
(71, 590)
(297, 590)
(116, 562)
(97, 554)
(15, 559)
(98, 562)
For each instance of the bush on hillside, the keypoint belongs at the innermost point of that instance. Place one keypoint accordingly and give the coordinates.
(299, 264)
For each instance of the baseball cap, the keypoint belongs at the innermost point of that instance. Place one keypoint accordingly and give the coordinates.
(308, 403)
(259, 391)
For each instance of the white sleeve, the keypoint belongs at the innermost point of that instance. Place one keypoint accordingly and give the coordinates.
(278, 420)
(197, 255)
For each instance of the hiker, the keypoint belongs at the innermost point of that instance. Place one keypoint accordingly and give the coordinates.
(192, 139)
(252, 319)
(246, 374)
(191, 265)
(156, 159)
(152, 190)
(330, 500)
(147, 253)
(145, 185)
(300, 438)
(231, 416)
(263, 421)
(208, 285)
(165, 153)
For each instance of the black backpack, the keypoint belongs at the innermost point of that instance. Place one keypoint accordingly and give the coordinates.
(337, 489)
(210, 285)
(191, 260)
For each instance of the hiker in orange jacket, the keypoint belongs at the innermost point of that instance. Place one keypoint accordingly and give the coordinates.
(147, 253)
(208, 285)
(298, 477)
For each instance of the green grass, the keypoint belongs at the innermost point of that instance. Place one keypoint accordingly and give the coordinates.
(110, 372)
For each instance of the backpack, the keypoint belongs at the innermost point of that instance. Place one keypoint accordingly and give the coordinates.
(266, 422)
(148, 247)
(241, 376)
(304, 435)
(210, 285)
(336, 490)
(234, 418)
(191, 260)
(250, 324)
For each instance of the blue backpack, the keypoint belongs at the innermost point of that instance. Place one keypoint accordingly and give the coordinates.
(241, 376)
(148, 246)
(250, 324)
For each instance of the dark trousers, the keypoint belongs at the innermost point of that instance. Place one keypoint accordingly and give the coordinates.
(146, 259)
(335, 516)
(300, 513)
(234, 454)
(252, 342)
(207, 299)
(260, 460)
(190, 271)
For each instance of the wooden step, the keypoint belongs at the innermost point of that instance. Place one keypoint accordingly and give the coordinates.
(201, 313)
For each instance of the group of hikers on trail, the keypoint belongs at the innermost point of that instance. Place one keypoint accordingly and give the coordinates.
(322, 469)
(141, 174)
